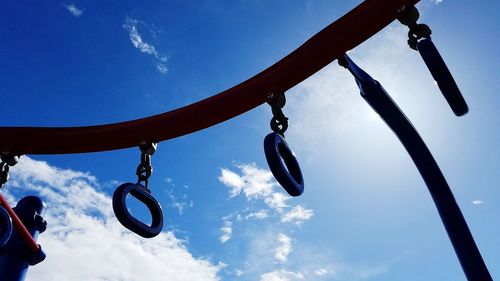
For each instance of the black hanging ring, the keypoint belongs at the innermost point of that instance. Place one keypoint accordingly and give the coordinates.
(283, 164)
(442, 76)
(129, 221)
(5, 226)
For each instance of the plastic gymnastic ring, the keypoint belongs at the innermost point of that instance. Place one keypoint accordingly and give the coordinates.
(129, 221)
(442, 76)
(283, 164)
(5, 226)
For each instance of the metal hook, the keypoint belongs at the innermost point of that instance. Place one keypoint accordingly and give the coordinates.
(145, 168)
(279, 122)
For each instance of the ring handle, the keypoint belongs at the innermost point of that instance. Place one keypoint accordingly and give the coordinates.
(283, 164)
(129, 221)
(5, 226)
(442, 76)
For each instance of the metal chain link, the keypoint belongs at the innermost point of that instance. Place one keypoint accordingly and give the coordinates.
(4, 173)
(279, 122)
(7, 160)
(145, 168)
(417, 31)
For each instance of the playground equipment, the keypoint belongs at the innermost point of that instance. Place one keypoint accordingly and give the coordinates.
(21, 250)
(279, 155)
(453, 220)
(269, 86)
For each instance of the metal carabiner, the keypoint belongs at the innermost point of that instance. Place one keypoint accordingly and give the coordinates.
(129, 221)
(283, 164)
(442, 76)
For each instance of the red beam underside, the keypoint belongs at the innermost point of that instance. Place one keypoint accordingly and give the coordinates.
(330, 43)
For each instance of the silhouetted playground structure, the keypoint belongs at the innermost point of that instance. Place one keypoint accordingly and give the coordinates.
(20, 226)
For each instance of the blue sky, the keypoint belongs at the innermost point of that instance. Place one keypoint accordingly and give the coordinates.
(365, 213)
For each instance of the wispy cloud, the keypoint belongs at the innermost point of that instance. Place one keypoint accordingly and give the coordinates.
(269, 240)
(284, 248)
(78, 211)
(73, 9)
(276, 251)
(256, 184)
(227, 229)
(436, 2)
(132, 26)
(161, 67)
(233, 181)
(477, 202)
(277, 200)
(262, 214)
(320, 272)
(282, 275)
(298, 215)
(180, 202)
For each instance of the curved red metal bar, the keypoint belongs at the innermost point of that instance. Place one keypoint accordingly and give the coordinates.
(330, 43)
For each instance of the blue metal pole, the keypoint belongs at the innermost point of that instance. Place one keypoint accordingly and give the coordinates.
(15, 257)
(454, 222)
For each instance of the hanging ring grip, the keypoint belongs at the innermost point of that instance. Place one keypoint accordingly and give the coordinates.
(442, 76)
(419, 39)
(129, 221)
(283, 164)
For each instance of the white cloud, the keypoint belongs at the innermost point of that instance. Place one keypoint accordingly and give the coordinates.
(270, 249)
(320, 272)
(277, 200)
(233, 181)
(284, 248)
(281, 275)
(262, 214)
(436, 2)
(180, 203)
(477, 202)
(258, 184)
(227, 230)
(254, 182)
(132, 26)
(73, 9)
(298, 215)
(84, 241)
(161, 67)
